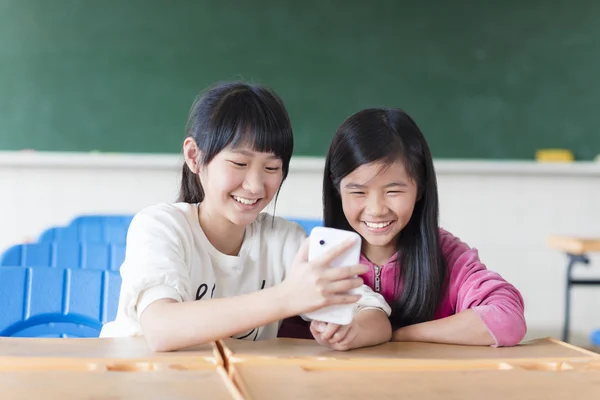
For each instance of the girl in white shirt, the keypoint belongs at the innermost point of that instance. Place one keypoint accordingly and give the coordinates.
(249, 269)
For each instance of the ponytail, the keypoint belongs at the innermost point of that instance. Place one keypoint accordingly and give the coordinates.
(191, 191)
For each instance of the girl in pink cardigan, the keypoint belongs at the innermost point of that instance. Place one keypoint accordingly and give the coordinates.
(380, 182)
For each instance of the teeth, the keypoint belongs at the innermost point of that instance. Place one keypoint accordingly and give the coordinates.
(377, 225)
(242, 200)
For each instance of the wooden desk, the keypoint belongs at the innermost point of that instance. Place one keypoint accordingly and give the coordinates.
(401, 356)
(267, 382)
(574, 245)
(576, 249)
(121, 368)
(112, 385)
(297, 350)
(292, 369)
(298, 369)
(119, 354)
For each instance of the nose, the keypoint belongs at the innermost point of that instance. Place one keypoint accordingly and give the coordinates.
(375, 205)
(254, 182)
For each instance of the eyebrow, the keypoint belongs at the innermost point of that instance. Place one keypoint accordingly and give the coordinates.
(250, 154)
(353, 185)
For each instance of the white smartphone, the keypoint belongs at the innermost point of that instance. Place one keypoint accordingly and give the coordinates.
(321, 241)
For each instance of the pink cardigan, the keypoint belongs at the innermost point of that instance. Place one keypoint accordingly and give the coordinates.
(470, 286)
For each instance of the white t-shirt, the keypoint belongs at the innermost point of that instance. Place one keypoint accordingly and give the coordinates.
(168, 256)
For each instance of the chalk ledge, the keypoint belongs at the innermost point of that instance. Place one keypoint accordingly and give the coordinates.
(35, 159)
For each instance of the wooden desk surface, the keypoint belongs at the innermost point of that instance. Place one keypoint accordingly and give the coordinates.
(176, 385)
(294, 369)
(296, 351)
(267, 382)
(131, 347)
(574, 245)
(125, 354)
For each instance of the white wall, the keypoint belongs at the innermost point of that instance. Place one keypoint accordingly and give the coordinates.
(505, 209)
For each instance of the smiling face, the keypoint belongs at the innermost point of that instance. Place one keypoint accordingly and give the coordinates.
(239, 183)
(378, 201)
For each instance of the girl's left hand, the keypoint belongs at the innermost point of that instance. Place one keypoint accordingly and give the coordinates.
(336, 337)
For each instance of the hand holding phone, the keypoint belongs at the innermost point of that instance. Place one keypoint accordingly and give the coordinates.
(323, 240)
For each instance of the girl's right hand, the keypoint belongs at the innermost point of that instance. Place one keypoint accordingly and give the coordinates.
(310, 286)
(336, 337)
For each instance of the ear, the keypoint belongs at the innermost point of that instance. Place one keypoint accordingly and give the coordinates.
(191, 153)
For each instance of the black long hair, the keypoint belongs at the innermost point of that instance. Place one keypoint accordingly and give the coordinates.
(388, 135)
(231, 114)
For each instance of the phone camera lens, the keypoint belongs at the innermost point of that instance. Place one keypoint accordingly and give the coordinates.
(321, 242)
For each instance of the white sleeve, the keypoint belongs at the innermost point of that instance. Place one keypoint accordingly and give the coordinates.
(154, 266)
(371, 300)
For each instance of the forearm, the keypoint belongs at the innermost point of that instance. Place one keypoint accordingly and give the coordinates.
(170, 325)
(465, 328)
(374, 328)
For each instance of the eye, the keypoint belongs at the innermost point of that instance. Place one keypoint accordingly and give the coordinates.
(392, 192)
(272, 169)
(238, 164)
(357, 193)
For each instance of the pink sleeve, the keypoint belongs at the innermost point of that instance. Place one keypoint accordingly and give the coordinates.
(471, 286)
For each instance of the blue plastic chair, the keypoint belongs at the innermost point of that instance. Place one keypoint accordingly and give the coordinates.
(89, 243)
(595, 338)
(90, 229)
(48, 302)
(67, 285)
(65, 255)
(113, 229)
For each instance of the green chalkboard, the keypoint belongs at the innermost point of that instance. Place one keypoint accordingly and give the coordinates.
(483, 79)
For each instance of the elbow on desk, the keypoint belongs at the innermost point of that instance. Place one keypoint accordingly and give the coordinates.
(159, 344)
(164, 341)
(159, 340)
(513, 332)
(161, 333)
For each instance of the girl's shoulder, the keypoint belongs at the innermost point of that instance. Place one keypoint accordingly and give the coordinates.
(175, 211)
(161, 209)
(450, 242)
(455, 251)
(175, 217)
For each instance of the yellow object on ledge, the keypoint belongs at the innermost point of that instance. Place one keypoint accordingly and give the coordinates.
(554, 155)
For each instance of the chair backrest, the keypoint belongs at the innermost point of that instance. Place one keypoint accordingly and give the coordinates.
(48, 302)
(89, 242)
(112, 229)
(90, 229)
(74, 255)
